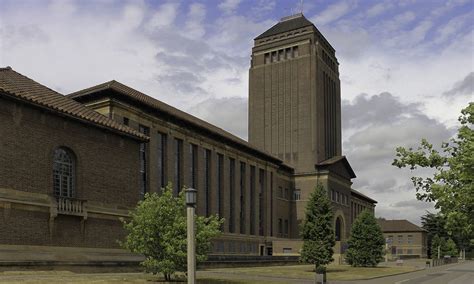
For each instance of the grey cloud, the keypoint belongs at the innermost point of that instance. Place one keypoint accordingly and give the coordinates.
(414, 203)
(464, 87)
(182, 81)
(227, 113)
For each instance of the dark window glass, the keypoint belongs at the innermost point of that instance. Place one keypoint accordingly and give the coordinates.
(261, 182)
(267, 58)
(126, 121)
(287, 227)
(220, 185)
(232, 195)
(143, 162)
(242, 197)
(280, 227)
(274, 56)
(64, 173)
(207, 180)
(161, 152)
(338, 229)
(252, 200)
(178, 163)
(193, 154)
(295, 51)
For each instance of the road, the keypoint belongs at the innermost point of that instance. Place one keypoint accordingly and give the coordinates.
(461, 273)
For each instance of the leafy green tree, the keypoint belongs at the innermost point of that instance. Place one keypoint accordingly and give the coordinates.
(452, 185)
(157, 229)
(435, 225)
(366, 243)
(451, 248)
(438, 242)
(317, 229)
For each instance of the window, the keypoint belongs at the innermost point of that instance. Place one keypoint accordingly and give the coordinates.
(126, 121)
(399, 251)
(410, 239)
(267, 58)
(252, 200)
(280, 227)
(193, 164)
(178, 162)
(220, 185)
(280, 192)
(143, 162)
(261, 182)
(333, 195)
(400, 239)
(232, 195)
(297, 195)
(295, 51)
(338, 197)
(287, 227)
(409, 251)
(288, 53)
(274, 56)
(287, 250)
(281, 55)
(207, 180)
(287, 194)
(242, 197)
(161, 152)
(64, 173)
(343, 199)
(338, 229)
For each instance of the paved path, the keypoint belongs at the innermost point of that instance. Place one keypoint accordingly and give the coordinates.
(460, 273)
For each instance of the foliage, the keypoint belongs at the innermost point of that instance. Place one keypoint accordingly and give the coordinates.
(435, 225)
(452, 185)
(366, 244)
(451, 248)
(157, 229)
(317, 229)
(446, 247)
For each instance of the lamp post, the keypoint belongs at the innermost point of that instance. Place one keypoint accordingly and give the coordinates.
(191, 194)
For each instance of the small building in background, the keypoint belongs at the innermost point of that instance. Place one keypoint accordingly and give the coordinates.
(404, 239)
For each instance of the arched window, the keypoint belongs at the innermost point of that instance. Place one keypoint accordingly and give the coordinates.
(338, 229)
(64, 173)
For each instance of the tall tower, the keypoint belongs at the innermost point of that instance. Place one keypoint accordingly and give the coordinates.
(294, 94)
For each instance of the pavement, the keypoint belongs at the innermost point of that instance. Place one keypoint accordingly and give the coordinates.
(459, 273)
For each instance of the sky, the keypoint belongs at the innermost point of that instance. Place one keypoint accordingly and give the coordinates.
(406, 67)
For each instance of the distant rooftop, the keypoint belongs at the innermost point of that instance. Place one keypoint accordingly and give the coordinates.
(287, 24)
(398, 226)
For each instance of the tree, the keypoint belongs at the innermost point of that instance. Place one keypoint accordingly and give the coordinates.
(435, 225)
(446, 247)
(317, 229)
(157, 229)
(451, 249)
(452, 185)
(366, 243)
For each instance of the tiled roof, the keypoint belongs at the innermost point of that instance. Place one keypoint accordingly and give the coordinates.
(155, 104)
(398, 226)
(359, 194)
(18, 86)
(287, 24)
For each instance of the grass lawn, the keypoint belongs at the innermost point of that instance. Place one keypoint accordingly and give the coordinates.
(335, 272)
(245, 275)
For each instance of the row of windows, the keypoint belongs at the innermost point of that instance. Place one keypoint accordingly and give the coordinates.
(340, 198)
(356, 209)
(235, 247)
(328, 60)
(280, 55)
(283, 228)
(400, 239)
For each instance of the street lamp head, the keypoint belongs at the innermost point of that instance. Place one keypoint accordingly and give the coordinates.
(191, 196)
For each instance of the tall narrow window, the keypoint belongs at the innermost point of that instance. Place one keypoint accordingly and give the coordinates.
(287, 227)
(280, 227)
(220, 185)
(143, 162)
(267, 58)
(242, 197)
(338, 229)
(295, 51)
(281, 55)
(193, 155)
(207, 180)
(126, 121)
(232, 195)
(271, 204)
(161, 165)
(64, 172)
(252, 200)
(178, 162)
(261, 183)
(274, 56)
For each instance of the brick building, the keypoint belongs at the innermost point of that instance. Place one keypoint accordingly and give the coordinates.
(119, 143)
(404, 239)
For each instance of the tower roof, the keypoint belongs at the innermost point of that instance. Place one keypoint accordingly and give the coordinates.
(287, 24)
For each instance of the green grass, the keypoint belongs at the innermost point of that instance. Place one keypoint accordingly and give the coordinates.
(234, 275)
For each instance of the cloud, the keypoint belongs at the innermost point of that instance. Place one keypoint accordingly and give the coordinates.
(227, 113)
(379, 9)
(163, 17)
(463, 88)
(229, 6)
(332, 13)
(373, 126)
